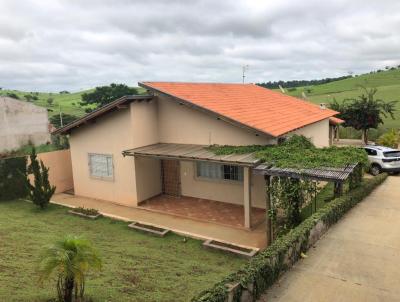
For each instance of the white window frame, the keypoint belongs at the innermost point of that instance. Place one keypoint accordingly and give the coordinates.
(218, 179)
(108, 178)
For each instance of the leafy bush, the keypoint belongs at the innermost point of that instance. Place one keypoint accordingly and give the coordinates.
(265, 268)
(390, 139)
(12, 178)
(86, 211)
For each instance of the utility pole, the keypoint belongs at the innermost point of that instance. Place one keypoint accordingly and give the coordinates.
(244, 69)
(61, 121)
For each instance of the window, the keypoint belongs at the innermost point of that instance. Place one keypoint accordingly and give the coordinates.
(371, 152)
(101, 166)
(391, 154)
(218, 171)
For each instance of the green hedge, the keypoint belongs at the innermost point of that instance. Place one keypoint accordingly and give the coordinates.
(265, 268)
(12, 178)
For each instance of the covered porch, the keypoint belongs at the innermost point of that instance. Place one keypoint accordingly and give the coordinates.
(206, 210)
(195, 183)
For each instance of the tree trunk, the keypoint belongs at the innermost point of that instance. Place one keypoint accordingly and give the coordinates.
(68, 290)
(365, 136)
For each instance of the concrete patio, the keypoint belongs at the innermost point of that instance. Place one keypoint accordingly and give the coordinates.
(357, 260)
(196, 228)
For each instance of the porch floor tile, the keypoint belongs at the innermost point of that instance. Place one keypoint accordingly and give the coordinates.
(203, 209)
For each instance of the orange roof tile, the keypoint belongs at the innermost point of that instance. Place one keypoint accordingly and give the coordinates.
(256, 107)
(335, 120)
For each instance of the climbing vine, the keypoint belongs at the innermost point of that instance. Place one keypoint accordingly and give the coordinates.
(299, 153)
(287, 198)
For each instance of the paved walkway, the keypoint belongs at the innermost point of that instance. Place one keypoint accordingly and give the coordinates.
(256, 238)
(358, 259)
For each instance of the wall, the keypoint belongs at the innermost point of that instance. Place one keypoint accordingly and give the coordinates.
(111, 134)
(144, 117)
(317, 132)
(21, 123)
(60, 169)
(225, 191)
(184, 125)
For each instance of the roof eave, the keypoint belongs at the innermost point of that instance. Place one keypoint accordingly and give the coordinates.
(100, 111)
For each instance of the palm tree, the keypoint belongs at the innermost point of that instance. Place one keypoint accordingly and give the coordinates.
(70, 258)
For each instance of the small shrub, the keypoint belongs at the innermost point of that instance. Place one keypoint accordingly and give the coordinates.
(86, 211)
(389, 139)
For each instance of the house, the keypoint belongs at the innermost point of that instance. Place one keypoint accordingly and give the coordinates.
(151, 150)
(22, 123)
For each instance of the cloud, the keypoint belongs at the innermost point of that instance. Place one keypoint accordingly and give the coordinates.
(72, 44)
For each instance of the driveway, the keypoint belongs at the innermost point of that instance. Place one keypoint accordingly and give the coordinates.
(358, 259)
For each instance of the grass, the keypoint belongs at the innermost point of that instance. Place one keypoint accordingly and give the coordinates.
(387, 83)
(137, 266)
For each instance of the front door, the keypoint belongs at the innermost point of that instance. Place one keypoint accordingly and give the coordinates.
(171, 177)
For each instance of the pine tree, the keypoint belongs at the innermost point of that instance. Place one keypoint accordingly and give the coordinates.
(41, 190)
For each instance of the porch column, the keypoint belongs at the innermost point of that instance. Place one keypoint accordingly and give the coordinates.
(247, 197)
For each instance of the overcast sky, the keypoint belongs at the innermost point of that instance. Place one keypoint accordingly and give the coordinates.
(50, 45)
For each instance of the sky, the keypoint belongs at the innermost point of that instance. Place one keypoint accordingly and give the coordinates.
(53, 45)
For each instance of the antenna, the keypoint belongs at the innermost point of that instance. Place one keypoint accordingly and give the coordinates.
(244, 69)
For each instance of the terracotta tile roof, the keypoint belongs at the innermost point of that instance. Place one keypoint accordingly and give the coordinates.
(256, 107)
(335, 120)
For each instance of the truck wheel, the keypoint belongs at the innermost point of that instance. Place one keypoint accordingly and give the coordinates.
(375, 170)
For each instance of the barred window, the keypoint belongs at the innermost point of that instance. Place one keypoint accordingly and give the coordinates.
(219, 171)
(101, 166)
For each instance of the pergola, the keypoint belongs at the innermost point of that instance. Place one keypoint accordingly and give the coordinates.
(329, 174)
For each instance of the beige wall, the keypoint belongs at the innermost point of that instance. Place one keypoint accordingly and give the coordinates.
(317, 132)
(111, 134)
(60, 169)
(183, 125)
(225, 191)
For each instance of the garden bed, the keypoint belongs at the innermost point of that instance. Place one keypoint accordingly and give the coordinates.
(85, 212)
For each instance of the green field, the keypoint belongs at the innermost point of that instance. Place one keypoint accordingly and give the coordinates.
(387, 83)
(136, 266)
(68, 103)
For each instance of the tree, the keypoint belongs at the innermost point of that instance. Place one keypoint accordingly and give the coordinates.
(390, 139)
(50, 101)
(66, 118)
(71, 259)
(12, 95)
(105, 94)
(41, 190)
(364, 112)
(28, 97)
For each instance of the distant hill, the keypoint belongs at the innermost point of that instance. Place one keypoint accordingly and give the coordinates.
(68, 102)
(387, 82)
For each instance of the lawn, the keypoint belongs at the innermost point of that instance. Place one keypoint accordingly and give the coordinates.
(136, 266)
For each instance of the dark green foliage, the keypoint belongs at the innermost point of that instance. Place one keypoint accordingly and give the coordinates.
(106, 94)
(66, 118)
(299, 153)
(12, 178)
(60, 141)
(364, 112)
(265, 268)
(41, 191)
(298, 83)
(12, 95)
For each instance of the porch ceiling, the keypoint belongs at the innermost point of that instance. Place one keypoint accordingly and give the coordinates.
(191, 152)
